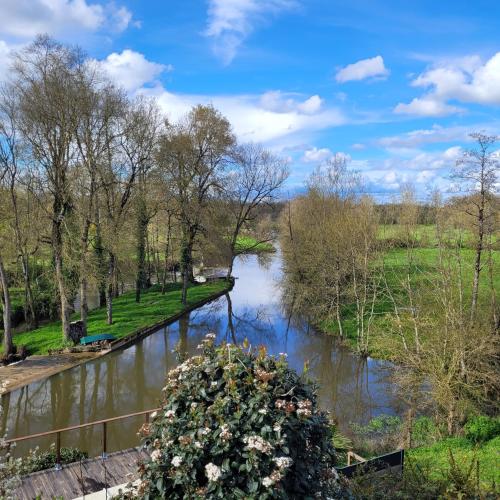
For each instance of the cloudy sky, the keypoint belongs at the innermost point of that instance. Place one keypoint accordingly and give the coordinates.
(395, 86)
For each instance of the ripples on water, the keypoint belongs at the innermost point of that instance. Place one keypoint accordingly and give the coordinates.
(130, 380)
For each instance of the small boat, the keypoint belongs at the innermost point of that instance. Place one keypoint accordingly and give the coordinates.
(97, 338)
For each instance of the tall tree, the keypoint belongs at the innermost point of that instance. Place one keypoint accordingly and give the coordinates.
(11, 152)
(45, 76)
(99, 105)
(478, 170)
(138, 142)
(255, 179)
(194, 155)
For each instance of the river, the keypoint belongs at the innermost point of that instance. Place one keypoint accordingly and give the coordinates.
(130, 380)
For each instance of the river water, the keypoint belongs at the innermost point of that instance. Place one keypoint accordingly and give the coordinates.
(130, 380)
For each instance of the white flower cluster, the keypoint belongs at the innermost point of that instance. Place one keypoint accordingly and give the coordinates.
(177, 461)
(156, 455)
(212, 471)
(225, 434)
(170, 414)
(272, 479)
(258, 443)
(209, 338)
(304, 408)
(283, 462)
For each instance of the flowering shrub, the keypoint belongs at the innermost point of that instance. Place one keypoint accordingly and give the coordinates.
(9, 471)
(237, 424)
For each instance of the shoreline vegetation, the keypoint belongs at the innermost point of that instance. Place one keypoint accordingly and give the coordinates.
(251, 245)
(128, 317)
(425, 255)
(132, 321)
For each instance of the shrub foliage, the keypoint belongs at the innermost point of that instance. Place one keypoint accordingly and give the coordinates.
(237, 423)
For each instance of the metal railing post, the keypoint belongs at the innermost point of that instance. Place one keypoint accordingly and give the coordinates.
(104, 440)
(58, 451)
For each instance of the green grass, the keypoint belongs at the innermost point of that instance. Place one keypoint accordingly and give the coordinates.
(128, 316)
(436, 458)
(424, 271)
(248, 244)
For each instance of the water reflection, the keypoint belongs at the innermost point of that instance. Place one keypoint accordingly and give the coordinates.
(127, 381)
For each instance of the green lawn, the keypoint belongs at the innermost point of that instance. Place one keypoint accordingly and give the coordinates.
(249, 244)
(128, 316)
(423, 271)
(436, 458)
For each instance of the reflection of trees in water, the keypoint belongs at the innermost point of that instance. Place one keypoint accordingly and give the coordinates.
(252, 323)
(265, 260)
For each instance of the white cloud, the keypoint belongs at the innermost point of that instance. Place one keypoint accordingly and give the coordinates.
(436, 134)
(426, 106)
(5, 51)
(230, 22)
(315, 155)
(251, 120)
(366, 68)
(425, 176)
(26, 18)
(422, 160)
(358, 146)
(275, 100)
(466, 80)
(131, 69)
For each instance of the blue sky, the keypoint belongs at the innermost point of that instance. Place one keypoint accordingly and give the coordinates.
(395, 86)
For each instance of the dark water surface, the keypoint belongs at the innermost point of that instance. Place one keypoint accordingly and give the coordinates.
(130, 380)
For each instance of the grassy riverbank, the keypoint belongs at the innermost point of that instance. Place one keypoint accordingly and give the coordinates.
(436, 459)
(128, 316)
(435, 462)
(249, 244)
(423, 272)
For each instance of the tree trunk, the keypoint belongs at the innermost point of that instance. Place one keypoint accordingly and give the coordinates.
(57, 246)
(142, 226)
(99, 250)
(84, 307)
(186, 265)
(8, 346)
(477, 263)
(109, 289)
(30, 314)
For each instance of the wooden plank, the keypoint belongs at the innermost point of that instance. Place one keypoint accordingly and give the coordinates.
(77, 479)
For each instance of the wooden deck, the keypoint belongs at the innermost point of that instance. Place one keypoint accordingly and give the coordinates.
(81, 479)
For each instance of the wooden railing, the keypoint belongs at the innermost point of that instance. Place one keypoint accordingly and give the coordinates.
(59, 432)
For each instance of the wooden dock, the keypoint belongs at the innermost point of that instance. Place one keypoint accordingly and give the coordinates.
(81, 478)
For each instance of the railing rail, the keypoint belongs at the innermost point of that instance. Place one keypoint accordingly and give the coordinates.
(104, 423)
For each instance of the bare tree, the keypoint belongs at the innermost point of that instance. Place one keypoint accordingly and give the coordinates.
(193, 154)
(11, 152)
(138, 143)
(255, 180)
(8, 346)
(478, 169)
(45, 79)
(99, 105)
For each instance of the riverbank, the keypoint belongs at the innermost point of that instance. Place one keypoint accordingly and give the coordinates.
(132, 321)
(249, 244)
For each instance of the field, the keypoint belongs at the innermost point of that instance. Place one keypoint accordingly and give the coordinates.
(128, 316)
(423, 272)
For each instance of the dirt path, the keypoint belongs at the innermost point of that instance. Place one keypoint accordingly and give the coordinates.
(39, 367)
